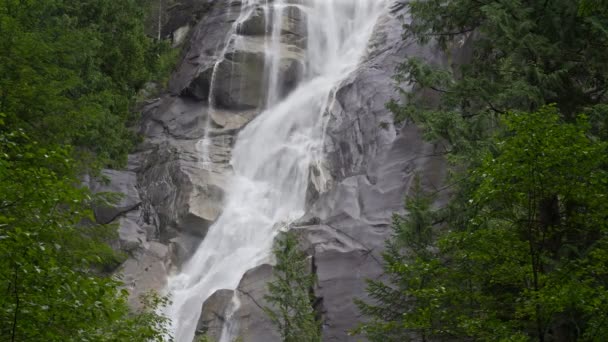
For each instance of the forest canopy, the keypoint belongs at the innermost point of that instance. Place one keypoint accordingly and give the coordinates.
(520, 251)
(70, 71)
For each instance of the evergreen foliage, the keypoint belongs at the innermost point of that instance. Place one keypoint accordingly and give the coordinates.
(411, 269)
(69, 71)
(525, 54)
(290, 294)
(520, 251)
(51, 255)
(529, 260)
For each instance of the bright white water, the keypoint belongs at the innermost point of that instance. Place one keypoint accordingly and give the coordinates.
(273, 154)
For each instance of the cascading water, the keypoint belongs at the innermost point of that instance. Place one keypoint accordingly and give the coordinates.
(273, 154)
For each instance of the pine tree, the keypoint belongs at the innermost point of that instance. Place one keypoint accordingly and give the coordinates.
(524, 55)
(522, 248)
(399, 310)
(526, 262)
(290, 293)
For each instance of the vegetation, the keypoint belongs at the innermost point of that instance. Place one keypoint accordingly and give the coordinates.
(530, 259)
(290, 294)
(69, 73)
(52, 255)
(520, 251)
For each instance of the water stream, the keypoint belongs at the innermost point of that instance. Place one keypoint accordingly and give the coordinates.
(272, 155)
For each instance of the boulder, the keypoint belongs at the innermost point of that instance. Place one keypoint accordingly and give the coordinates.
(239, 83)
(131, 235)
(122, 183)
(255, 24)
(253, 324)
(187, 197)
(294, 26)
(213, 314)
(146, 271)
(182, 247)
(240, 79)
(208, 39)
(292, 21)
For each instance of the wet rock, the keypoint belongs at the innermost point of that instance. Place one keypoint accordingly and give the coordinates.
(240, 82)
(183, 247)
(260, 23)
(206, 44)
(253, 323)
(293, 27)
(200, 86)
(231, 120)
(213, 314)
(255, 24)
(368, 170)
(371, 162)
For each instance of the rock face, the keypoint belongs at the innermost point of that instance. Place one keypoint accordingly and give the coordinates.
(118, 182)
(148, 263)
(370, 165)
(252, 324)
(372, 162)
(213, 314)
(176, 180)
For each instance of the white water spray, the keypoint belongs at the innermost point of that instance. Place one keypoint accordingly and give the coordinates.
(273, 154)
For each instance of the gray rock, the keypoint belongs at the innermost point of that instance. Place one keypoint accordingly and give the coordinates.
(255, 24)
(183, 247)
(181, 13)
(252, 323)
(207, 42)
(369, 168)
(239, 82)
(293, 25)
(146, 271)
(179, 35)
(340, 275)
(122, 183)
(187, 197)
(213, 314)
(200, 87)
(372, 162)
(183, 164)
(131, 235)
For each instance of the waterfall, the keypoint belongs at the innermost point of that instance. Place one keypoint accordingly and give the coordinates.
(272, 155)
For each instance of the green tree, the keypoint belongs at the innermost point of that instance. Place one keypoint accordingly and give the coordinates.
(527, 261)
(522, 246)
(51, 255)
(290, 293)
(69, 72)
(400, 307)
(523, 55)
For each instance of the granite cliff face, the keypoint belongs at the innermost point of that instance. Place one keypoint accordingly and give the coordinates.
(176, 182)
